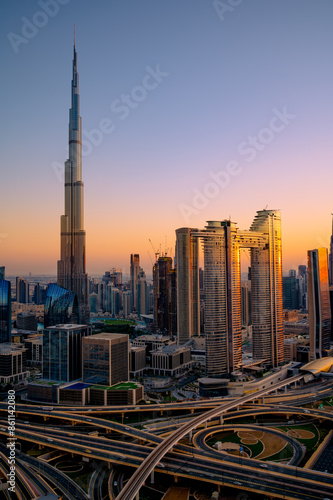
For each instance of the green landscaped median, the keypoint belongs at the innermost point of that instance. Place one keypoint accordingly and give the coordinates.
(118, 322)
(122, 386)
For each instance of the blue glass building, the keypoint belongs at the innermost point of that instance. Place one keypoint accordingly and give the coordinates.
(5, 311)
(62, 352)
(61, 307)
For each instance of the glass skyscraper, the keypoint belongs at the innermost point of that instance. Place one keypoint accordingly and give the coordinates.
(319, 303)
(61, 306)
(5, 311)
(62, 352)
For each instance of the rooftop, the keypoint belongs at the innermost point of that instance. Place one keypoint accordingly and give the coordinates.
(9, 347)
(107, 336)
(68, 326)
(122, 386)
(78, 386)
(318, 365)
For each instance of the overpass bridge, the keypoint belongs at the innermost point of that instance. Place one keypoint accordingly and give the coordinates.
(131, 489)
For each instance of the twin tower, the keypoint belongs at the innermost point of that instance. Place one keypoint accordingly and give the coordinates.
(222, 244)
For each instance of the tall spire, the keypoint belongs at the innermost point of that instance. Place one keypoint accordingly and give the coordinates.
(72, 266)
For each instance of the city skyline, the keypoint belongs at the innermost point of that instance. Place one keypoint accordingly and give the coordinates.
(225, 116)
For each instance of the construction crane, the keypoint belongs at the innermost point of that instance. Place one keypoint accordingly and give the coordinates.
(156, 253)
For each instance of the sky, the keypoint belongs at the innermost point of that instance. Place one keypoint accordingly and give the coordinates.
(192, 110)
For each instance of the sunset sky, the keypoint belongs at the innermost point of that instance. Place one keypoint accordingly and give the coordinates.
(242, 94)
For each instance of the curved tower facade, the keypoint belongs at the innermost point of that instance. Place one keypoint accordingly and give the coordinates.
(72, 264)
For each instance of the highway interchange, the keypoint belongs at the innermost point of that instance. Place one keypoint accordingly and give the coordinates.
(200, 463)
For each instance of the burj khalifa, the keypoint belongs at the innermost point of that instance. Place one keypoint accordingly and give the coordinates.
(72, 264)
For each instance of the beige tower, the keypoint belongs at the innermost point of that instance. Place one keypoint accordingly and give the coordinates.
(266, 289)
(188, 295)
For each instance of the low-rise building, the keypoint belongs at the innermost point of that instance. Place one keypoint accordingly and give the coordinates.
(34, 346)
(126, 393)
(137, 361)
(13, 363)
(171, 360)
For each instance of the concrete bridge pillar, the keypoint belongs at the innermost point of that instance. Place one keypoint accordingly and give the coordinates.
(221, 420)
(152, 477)
(190, 436)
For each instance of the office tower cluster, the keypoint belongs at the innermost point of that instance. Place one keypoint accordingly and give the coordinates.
(118, 299)
(72, 264)
(222, 243)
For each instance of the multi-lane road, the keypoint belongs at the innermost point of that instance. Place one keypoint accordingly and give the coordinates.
(170, 457)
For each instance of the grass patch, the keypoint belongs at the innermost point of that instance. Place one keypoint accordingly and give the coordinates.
(118, 322)
(35, 453)
(83, 481)
(310, 443)
(82, 478)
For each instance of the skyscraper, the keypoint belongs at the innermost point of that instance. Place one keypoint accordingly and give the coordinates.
(134, 270)
(105, 358)
(72, 264)
(2, 272)
(330, 262)
(319, 303)
(5, 311)
(62, 352)
(162, 294)
(266, 288)
(290, 291)
(22, 291)
(188, 294)
(61, 306)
